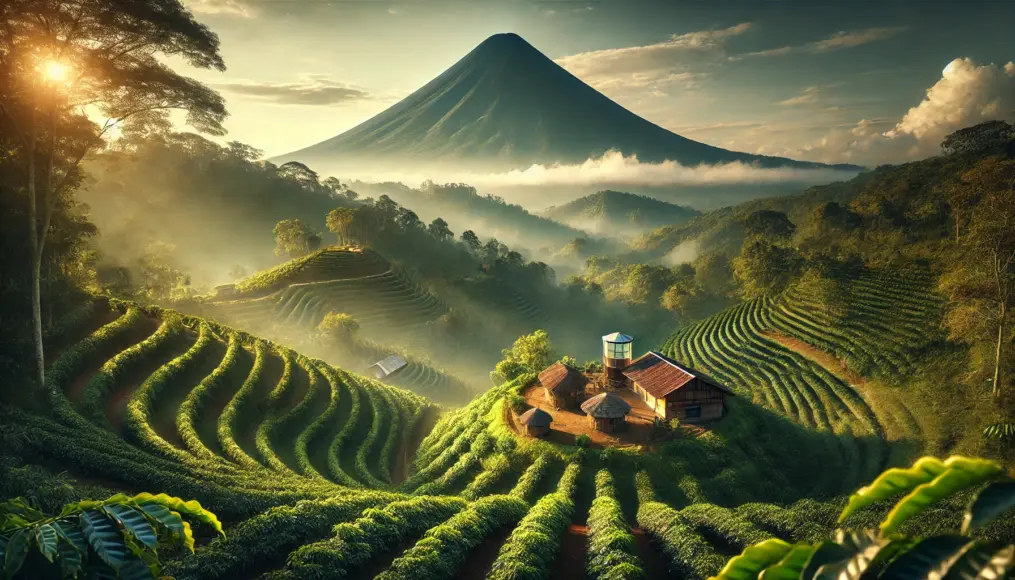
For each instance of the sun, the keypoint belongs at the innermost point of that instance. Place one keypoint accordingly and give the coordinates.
(55, 71)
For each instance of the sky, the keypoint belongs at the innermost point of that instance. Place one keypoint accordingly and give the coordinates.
(862, 81)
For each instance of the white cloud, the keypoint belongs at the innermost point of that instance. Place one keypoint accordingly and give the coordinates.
(653, 65)
(809, 96)
(838, 41)
(309, 90)
(966, 94)
(614, 169)
(230, 7)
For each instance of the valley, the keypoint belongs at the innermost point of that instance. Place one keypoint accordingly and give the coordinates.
(219, 363)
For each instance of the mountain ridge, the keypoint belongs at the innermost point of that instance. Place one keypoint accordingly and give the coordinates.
(505, 104)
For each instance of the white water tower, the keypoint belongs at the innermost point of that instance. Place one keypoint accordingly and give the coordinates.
(616, 355)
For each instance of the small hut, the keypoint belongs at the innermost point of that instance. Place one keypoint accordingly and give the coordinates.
(562, 385)
(607, 411)
(536, 422)
(383, 368)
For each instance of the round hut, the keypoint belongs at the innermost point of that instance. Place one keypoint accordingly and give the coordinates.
(607, 412)
(536, 421)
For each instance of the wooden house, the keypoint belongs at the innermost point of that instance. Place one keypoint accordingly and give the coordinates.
(607, 412)
(535, 421)
(562, 385)
(675, 391)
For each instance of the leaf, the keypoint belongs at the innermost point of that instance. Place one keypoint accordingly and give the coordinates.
(164, 517)
(104, 537)
(135, 569)
(961, 473)
(15, 551)
(135, 523)
(981, 562)
(71, 559)
(861, 548)
(191, 508)
(894, 482)
(753, 560)
(188, 536)
(20, 507)
(924, 557)
(994, 500)
(46, 538)
(72, 533)
(826, 553)
(792, 564)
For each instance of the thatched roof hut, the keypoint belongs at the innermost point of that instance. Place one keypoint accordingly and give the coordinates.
(562, 384)
(536, 421)
(606, 411)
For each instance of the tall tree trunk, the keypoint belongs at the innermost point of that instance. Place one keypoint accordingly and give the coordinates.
(997, 353)
(36, 265)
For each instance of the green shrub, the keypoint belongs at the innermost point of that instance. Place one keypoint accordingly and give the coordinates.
(612, 552)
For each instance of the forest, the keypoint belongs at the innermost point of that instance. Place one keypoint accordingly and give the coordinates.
(216, 366)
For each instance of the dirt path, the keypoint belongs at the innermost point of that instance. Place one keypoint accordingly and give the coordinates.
(570, 564)
(482, 557)
(894, 415)
(76, 389)
(116, 404)
(403, 458)
(652, 560)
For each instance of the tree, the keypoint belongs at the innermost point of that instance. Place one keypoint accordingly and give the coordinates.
(300, 173)
(294, 239)
(340, 221)
(387, 210)
(471, 240)
(56, 58)
(338, 325)
(407, 219)
(981, 281)
(986, 136)
(769, 224)
(532, 352)
(438, 228)
(765, 269)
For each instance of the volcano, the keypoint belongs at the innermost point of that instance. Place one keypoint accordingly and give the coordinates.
(504, 105)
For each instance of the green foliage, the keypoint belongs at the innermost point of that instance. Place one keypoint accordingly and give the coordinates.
(612, 553)
(1003, 431)
(530, 353)
(338, 325)
(294, 239)
(581, 441)
(445, 547)
(889, 554)
(122, 532)
(375, 532)
(532, 547)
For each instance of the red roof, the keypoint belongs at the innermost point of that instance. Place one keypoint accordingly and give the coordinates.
(558, 377)
(660, 375)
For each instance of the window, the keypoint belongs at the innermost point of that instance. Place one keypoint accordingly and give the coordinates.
(692, 412)
(615, 350)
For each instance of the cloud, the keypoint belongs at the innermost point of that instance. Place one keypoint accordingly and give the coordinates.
(809, 96)
(652, 65)
(614, 169)
(229, 7)
(310, 90)
(838, 41)
(966, 94)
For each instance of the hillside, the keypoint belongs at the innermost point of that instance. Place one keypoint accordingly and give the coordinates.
(619, 214)
(283, 448)
(506, 104)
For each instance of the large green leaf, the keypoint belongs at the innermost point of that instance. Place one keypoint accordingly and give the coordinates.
(754, 559)
(190, 508)
(980, 562)
(70, 531)
(188, 536)
(994, 500)
(926, 556)
(164, 517)
(862, 548)
(46, 538)
(893, 482)
(826, 553)
(135, 569)
(960, 474)
(134, 522)
(792, 564)
(71, 558)
(104, 537)
(15, 551)
(20, 507)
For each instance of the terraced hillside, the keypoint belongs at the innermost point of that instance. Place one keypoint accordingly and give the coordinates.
(294, 297)
(320, 473)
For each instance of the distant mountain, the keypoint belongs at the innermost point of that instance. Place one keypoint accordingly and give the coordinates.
(619, 213)
(505, 104)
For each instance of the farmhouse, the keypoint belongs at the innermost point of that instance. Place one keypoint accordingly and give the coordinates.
(676, 391)
(562, 385)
